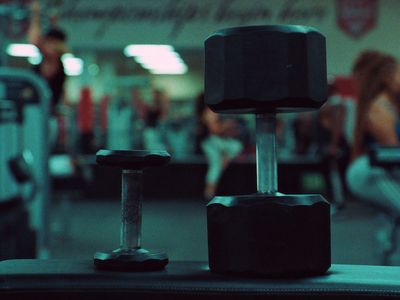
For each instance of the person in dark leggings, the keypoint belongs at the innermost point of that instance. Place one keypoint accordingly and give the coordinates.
(377, 76)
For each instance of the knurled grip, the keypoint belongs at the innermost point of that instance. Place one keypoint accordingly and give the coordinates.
(131, 208)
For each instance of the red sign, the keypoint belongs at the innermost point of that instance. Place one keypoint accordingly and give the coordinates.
(356, 17)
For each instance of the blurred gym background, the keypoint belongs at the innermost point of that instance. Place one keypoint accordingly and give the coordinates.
(70, 207)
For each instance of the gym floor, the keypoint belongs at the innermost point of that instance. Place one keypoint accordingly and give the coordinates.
(80, 228)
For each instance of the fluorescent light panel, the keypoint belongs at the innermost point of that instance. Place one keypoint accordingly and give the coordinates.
(73, 66)
(22, 50)
(140, 50)
(176, 70)
(158, 59)
(35, 60)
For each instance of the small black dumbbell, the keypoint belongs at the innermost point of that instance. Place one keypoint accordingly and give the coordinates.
(264, 70)
(130, 256)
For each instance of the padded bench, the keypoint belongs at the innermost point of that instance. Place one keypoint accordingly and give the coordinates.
(77, 279)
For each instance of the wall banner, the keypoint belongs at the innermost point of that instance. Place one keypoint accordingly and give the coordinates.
(356, 17)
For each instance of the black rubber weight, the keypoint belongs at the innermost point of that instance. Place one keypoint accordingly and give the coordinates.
(132, 159)
(136, 261)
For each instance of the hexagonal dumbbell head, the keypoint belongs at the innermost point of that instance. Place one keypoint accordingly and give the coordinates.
(132, 159)
(265, 69)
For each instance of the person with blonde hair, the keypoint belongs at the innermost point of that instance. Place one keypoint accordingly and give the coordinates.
(218, 144)
(377, 77)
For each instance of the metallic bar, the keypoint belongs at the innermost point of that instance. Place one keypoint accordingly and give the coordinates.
(266, 159)
(131, 211)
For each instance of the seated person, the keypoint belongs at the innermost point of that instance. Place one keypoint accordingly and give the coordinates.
(377, 77)
(217, 142)
(153, 114)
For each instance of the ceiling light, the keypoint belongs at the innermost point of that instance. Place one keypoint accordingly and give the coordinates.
(73, 66)
(172, 70)
(139, 50)
(35, 60)
(22, 50)
(158, 59)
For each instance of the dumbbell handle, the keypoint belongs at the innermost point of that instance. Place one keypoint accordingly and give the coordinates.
(131, 211)
(266, 159)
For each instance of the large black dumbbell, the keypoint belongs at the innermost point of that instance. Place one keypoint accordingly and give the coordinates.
(264, 70)
(130, 256)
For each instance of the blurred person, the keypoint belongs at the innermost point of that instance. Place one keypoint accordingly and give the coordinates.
(104, 105)
(333, 146)
(154, 115)
(304, 127)
(377, 77)
(217, 142)
(321, 131)
(85, 117)
(331, 120)
(52, 45)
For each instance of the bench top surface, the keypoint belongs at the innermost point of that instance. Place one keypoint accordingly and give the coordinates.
(181, 277)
